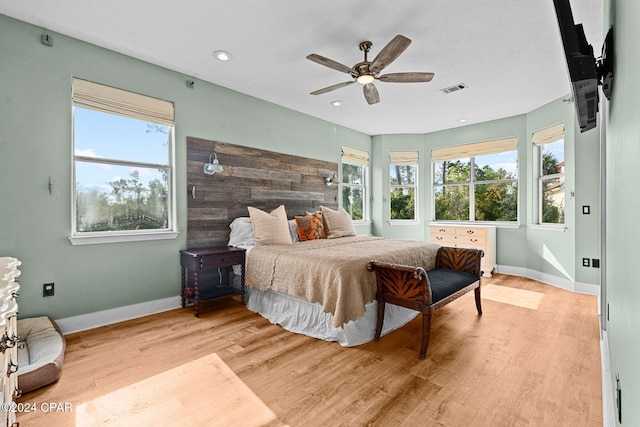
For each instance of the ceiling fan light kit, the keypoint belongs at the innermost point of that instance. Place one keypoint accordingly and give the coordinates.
(365, 79)
(366, 72)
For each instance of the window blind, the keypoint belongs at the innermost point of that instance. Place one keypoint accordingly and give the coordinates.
(403, 157)
(475, 149)
(107, 99)
(354, 156)
(547, 135)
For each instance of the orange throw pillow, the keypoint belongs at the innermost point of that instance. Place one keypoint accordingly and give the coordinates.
(310, 227)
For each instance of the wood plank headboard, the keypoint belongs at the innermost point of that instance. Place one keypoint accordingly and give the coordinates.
(251, 177)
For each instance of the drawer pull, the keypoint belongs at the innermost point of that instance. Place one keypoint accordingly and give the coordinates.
(470, 231)
(442, 230)
(438, 237)
(473, 240)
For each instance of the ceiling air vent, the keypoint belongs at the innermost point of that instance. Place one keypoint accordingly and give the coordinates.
(454, 88)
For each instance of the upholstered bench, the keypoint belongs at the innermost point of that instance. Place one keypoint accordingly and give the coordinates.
(457, 271)
(40, 352)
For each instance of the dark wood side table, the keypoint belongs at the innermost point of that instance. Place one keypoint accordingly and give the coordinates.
(204, 260)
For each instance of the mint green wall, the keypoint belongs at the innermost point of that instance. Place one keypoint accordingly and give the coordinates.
(510, 243)
(384, 144)
(623, 205)
(552, 252)
(35, 144)
(525, 247)
(587, 184)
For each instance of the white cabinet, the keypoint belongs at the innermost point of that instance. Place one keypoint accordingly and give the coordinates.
(468, 236)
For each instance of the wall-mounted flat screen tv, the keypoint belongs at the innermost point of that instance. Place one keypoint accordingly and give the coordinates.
(581, 65)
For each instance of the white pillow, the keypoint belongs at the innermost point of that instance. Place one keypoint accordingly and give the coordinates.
(270, 228)
(293, 230)
(337, 223)
(241, 232)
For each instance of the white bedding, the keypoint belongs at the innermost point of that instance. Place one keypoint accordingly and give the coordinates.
(307, 318)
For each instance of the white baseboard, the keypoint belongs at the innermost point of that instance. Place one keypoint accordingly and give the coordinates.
(83, 322)
(558, 282)
(608, 404)
(86, 321)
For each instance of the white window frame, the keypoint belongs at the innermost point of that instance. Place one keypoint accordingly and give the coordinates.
(99, 93)
(356, 157)
(408, 158)
(471, 151)
(540, 139)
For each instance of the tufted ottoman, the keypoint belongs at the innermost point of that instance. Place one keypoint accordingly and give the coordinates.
(40, 352)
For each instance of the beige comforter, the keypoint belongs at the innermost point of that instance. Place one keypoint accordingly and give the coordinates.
(333, 272)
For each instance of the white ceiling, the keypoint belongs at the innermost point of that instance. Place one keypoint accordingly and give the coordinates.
(508, 52)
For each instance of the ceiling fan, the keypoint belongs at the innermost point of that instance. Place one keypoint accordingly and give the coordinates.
(366, 72)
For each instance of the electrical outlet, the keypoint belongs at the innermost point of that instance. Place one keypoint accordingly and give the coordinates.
(586, 262)
(595, 263)
(586, 210)
(48, 289)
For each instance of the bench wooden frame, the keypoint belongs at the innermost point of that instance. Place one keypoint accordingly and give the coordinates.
(410, 287)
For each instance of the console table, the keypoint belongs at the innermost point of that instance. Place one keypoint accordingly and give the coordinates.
(198, 261)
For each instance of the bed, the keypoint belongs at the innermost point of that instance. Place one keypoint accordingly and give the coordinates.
(309, 274)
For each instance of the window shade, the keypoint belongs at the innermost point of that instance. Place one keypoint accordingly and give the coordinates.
(355, 156)
(403, 157)
(475, 149)
(107, 99)
(547, 135)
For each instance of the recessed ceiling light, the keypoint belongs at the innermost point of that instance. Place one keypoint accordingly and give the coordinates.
(463, 120)
(336, 103)
(222, 55)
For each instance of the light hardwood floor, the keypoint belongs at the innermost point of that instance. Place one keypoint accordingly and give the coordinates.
(512, 366)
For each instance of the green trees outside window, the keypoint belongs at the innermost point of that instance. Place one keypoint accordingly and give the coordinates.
(482, 188)
(402, 188)
(353, 190)
(128, 205)
(551, 183)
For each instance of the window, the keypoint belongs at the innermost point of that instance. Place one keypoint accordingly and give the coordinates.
(354, 182)
(122, 162)
(551, 189)
(476, 182)
(403, 170)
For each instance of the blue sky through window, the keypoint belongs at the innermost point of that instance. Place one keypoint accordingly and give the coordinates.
(107, 136)
(507, 160)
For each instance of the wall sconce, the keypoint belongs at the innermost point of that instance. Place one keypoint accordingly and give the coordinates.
(213, 166)
(328, 176)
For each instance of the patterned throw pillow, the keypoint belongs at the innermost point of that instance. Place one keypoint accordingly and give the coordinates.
(310, 227)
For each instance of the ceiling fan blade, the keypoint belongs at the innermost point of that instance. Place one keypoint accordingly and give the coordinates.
(328, 63)
(389, 53)
(406, 77)
(371, 93)
(330, 88)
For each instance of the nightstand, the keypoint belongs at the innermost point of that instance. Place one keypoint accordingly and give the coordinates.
(198, 262)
